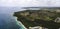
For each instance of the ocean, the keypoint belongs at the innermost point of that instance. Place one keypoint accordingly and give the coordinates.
(7, 20)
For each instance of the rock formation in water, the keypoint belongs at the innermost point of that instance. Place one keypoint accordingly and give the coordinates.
(44, 18)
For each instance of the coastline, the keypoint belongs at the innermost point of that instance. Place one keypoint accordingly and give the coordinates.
(20, 24)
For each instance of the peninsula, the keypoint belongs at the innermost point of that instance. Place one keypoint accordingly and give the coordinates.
(45, 17)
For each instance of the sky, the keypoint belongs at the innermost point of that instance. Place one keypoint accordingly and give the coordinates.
(30, 3)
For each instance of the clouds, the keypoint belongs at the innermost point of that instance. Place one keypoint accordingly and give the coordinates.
(22, 3)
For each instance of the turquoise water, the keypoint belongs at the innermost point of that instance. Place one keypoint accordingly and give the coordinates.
(8, 21)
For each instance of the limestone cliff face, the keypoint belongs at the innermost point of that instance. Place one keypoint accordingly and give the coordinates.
(45, 18)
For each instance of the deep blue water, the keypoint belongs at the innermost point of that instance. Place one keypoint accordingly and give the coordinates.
(7, 20)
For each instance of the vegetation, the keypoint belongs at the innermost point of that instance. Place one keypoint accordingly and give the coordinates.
(43, 18)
